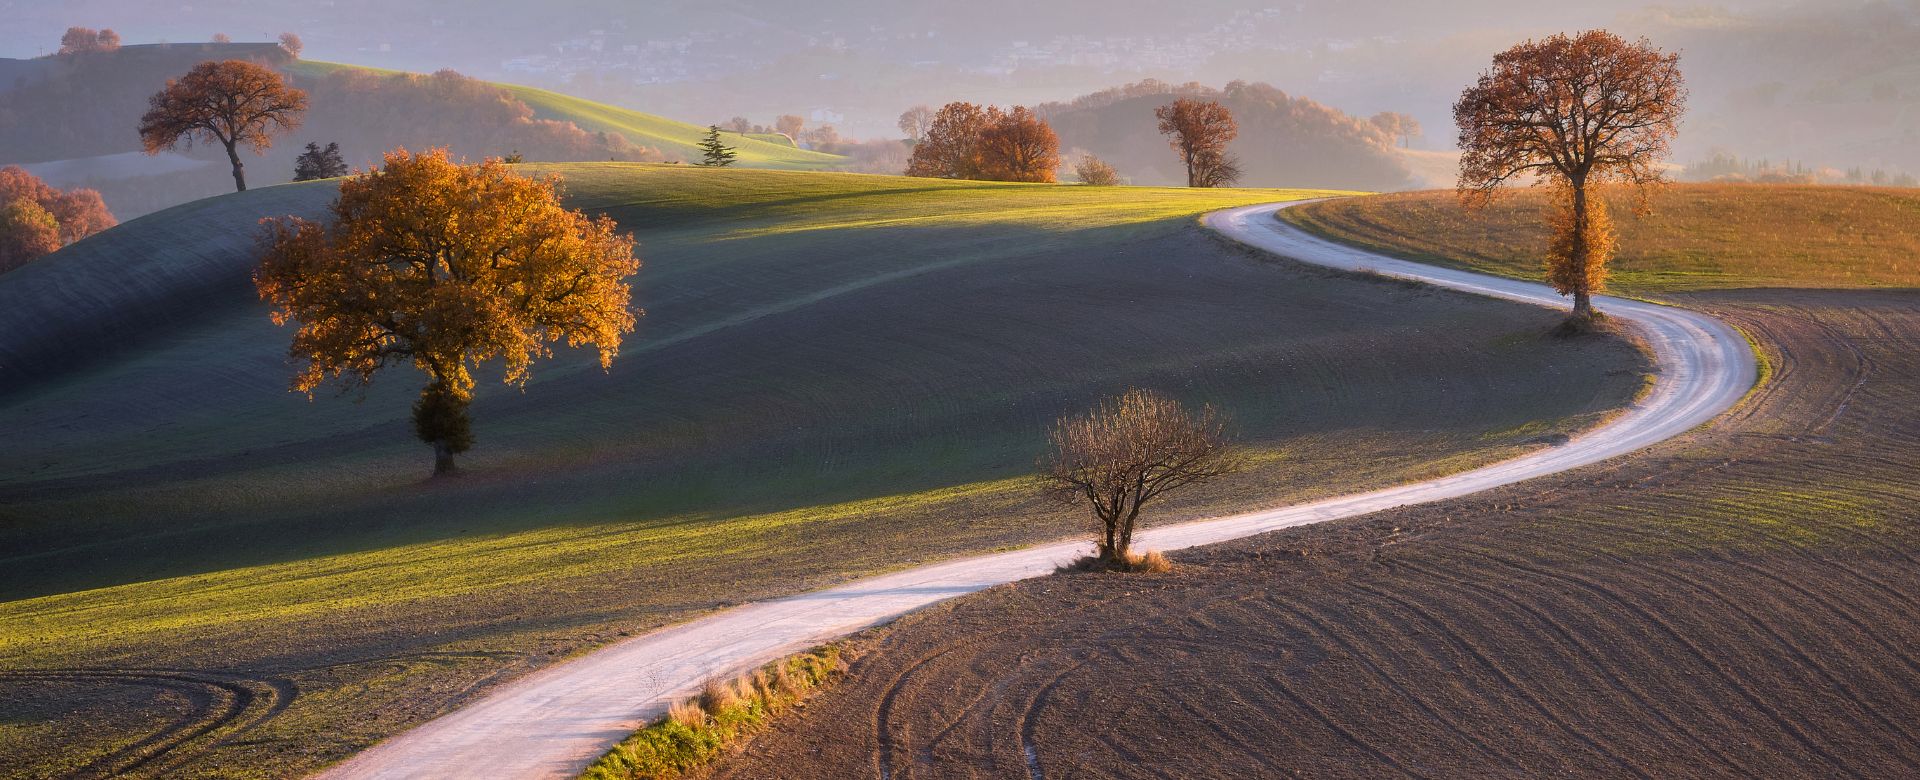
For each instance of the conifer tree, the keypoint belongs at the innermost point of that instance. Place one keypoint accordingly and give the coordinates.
(318, 163)
(713, 153)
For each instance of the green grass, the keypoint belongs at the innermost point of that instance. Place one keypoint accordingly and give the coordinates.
(677, 139)
(837, 375)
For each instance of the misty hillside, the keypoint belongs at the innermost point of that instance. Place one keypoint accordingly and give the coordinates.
(73, 119)
(1284, 140)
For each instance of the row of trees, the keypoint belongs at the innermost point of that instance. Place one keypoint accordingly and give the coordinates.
(966, 141)
(37, 219)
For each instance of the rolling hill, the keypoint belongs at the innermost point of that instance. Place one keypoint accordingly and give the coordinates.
(85, 108)
(1735, 602)
(837, 375)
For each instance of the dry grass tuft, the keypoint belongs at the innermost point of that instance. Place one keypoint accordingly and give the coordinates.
(1150, 562)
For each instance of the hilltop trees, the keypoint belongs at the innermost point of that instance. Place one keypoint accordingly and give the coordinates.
(1016, 145)
(965, 141)
(1396, 125)
(789, 125)
(85, 40)
(713, 152)
(291, 44)
(36, 219)
(1127, 452)
(914, 122)
(446, 266)
(318, 163)
(1569, 113)
(232, 102)
(1199, 130)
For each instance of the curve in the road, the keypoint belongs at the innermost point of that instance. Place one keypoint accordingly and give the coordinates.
(553, 722)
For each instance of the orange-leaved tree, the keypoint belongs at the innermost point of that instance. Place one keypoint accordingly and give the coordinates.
(1017, 145)
(1199, 130)
(36, 219)
(446, 266)
(1570, 113)
(232, 102)
(950, 149)
(965, 141)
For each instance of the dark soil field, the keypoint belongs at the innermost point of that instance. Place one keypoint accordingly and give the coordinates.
(1739, 603)
(202, 574)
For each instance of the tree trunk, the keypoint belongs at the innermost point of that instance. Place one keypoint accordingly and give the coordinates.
(442, 459)
(1582, 254)
(239, 178)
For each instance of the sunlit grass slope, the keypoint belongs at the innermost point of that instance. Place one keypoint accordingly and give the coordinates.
(837, 375)
(1698, 237)
(679, 139)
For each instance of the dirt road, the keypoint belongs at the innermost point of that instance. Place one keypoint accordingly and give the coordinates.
(553, 722)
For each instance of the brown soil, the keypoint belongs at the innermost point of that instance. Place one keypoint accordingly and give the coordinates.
(1736, 603)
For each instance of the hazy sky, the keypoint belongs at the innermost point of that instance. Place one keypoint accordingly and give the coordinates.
(857, 63)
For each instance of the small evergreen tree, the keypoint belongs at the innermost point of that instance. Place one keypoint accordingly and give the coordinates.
(318, 163)
(713, 153)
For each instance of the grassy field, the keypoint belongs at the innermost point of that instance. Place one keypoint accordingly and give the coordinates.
(678, 139)
(1700, 236)
(1734, 603)
(837, 375)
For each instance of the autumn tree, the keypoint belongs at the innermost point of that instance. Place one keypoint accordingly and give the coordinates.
(1570, 113)
(446, 266)
(37, 219)
(291, 44)
(233, 102)
(1396, 125)
(823, 138)
(1017, 145)
(1129, 451)
(1094, 171)
(951, 147)
(318, 163)
(222, 38)
(1199, 130)
(714, 153)
(85, 40)
(740, 124)
(789, 125)
(915, 121)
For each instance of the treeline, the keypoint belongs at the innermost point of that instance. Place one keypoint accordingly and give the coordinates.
(1283, 140)
(368, 113)
(1728, 168)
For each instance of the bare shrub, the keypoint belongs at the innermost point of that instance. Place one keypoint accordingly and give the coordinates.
(1128, 451)
(1091, 170)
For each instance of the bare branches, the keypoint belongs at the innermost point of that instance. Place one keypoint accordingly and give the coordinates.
(1130, 450)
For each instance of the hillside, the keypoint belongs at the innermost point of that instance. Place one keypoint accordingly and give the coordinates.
(85, 107)
(1699, 236)
(837, 375)
(1283, 138)
(1736, 602)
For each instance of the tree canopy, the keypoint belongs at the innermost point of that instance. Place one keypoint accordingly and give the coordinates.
(1199, 131)
(36, 219)
(966, 141)
(318, 163)
(231, 102)
(1570, 112)
(446, 266)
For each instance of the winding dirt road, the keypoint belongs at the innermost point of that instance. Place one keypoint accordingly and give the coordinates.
(553, 722)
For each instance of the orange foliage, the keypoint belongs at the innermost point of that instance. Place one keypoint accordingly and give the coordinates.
(965, 141)
(447, 266)
(84, 40)
(232, 102)
(1199, 131)
(1570, 112)
(1018, 146)
(36, 219)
